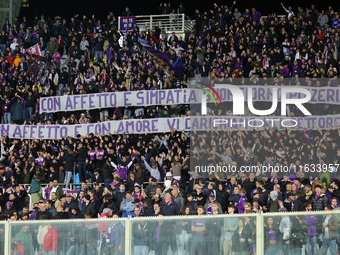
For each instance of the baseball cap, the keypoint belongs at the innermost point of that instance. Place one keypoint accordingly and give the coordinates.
(212, 194)
(168, 174)
(153, 179)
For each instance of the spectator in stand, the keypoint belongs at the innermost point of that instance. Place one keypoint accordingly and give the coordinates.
(99, 48)
(209, 204)
(127, 206)
(242, 201)
(81, 157)
(89, 208)
(272, 235)
(43, 212)
(240, 239)
(330, 227)
(235, 197)
(56, 189)
(319, 200)
(198, 227)
(24, 237)
(335, 189)
(165, 8)
(168, 206)
(230, 226)
(178, 199)
(311, 222)
(50, 240)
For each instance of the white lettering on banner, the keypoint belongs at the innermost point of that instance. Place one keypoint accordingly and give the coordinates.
(162, 125)
(259, 123)
(239, 100)
(329, 95)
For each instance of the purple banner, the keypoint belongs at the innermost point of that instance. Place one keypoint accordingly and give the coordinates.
(161, 125)
(117, 99)
(141, 98)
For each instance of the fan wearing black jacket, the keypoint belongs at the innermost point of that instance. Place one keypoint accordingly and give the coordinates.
(97, 177)
(298, 235)
(69, 165)
(89, 208)
(298, 203)
(335, 189)
(81, 156)
(222, 197)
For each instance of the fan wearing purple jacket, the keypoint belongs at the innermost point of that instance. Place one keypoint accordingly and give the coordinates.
(242, 201)
(122, 170)
(311, 221)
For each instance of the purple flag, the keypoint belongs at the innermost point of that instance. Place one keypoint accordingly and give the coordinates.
(40, 160)
(127, 23)
(172, 70)
(55, 149)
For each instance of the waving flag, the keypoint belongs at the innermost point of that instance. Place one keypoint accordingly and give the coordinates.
(39, 160)
(54, 148)
(40, 66)
(35, 49)
(171, 70)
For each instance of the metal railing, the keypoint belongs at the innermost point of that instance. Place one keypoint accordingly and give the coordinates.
(168, 23)
(72, 186)
(279, 16)
(86, 231)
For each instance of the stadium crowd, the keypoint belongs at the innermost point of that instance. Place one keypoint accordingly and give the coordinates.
(224, 43)
(149, 174)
